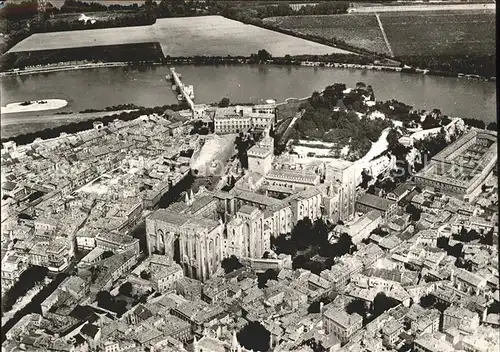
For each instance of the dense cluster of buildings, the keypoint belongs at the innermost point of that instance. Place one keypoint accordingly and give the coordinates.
(85, 192)
(71, 205)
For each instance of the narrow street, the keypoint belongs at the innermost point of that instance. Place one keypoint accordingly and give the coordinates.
(34, 305)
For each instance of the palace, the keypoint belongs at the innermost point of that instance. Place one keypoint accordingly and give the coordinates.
(210, 226)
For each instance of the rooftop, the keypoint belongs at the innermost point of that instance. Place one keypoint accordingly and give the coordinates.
(254, 197)
(259, 152)
(402, 188)
(248, 210)
(342, 318)
(376, 202)
(210, 344)
(434, 342)
(469, 277)
(184, 220)
(298, 176)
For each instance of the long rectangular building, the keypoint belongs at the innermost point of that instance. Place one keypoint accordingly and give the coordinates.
(461, 168)
(235, 119)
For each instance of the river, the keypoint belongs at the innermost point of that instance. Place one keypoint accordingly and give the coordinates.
(99, 88)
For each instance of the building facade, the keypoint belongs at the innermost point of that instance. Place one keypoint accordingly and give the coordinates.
(245, 235)
(343, 175)
(341, 324)
(261, 155)
(198, 242)
(237, 119)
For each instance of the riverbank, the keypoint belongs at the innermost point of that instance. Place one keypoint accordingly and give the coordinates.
(68, 123)
(16, 126)
(58, 68)
(103, 87)
(244, 61)
(30, 106)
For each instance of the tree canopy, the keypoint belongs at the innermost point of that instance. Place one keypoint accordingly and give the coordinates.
(106, 301)
(254, 336)
(414, 212)
(269, 274)
(358, 306)
(334, 116)
(145, 275)
(230, 264)
(224, 102)
(126, 289)
(308, 240)
(382, 303)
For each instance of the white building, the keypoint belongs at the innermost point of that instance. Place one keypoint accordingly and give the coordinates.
(341, 324)
(237, 119)
(261, 156)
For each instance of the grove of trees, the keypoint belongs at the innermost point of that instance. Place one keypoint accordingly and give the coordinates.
(269, 274)
(126, 289)
(343, 126)
(224, 102)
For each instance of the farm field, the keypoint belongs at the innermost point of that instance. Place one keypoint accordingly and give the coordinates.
(361, 31)
(362, 8)
(446, 33)
(424, 33)
(206, 35)
(86, 38)
(216, 35)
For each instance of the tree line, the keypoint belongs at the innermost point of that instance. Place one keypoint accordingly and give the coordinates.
(481, 65)
(132, 53)
(148, 53)
(277, 10)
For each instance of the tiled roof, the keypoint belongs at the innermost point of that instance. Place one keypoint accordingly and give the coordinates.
(375, 202)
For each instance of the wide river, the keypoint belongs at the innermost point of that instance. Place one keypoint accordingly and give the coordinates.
(99, 88)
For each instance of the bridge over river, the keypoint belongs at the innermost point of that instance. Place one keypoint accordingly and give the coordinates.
(187, 92)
